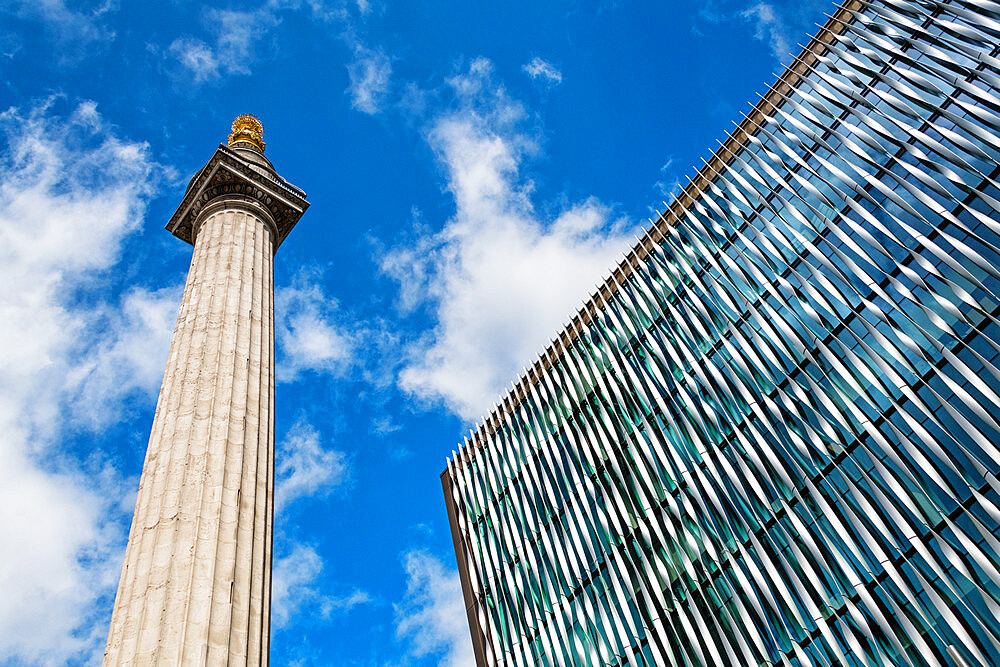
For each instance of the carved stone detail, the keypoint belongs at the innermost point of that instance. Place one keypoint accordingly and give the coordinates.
(230, 175)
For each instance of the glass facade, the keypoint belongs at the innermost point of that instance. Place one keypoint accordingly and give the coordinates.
(773, 436)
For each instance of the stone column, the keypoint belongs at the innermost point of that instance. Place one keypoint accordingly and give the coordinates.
(195, 586)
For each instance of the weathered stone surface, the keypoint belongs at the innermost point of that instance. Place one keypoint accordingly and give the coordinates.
(195, 587)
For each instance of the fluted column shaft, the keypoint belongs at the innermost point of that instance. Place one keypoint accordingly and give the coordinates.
(195, 587)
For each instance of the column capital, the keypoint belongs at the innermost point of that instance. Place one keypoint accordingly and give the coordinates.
(239, 174)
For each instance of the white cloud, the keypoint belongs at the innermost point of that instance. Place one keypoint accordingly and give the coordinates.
(783, 24)
(306, 468)
(82, 21)
(238, 33)
(131, 357)
(669, 185)
(332, 603)
(236, 41)
(541, 70)
(294, 589)
(431, 617)
(197, 56)
(384, 425)
(240, 38)
(770, 28)
(309, 337)
(70, 192)
(369, 79)
(500, 277)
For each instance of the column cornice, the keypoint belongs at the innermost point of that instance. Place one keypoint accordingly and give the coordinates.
(233, 176)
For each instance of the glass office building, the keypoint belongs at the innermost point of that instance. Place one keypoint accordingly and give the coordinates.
(773, 435)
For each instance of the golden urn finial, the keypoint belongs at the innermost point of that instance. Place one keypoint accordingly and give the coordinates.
(247, 128)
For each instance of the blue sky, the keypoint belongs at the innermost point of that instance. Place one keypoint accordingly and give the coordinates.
(474, 170)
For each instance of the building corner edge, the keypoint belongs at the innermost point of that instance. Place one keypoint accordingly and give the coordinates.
(461, 557)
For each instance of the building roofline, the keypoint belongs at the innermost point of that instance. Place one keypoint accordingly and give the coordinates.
(785, 84)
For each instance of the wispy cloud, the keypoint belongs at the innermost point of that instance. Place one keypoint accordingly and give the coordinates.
(197, 57)
(669, 184)
(384, 425)
(305, 467)
(296, 589)
(311, 337)
(81, 24)
(480, 274)
(125, 353)
(236, 39)
(369, 75)
(431, 618)
(770, 27)
(781, 24)
(71, 191)
(541, 70)
(784, 24)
